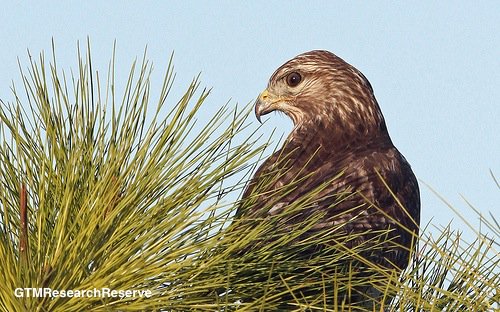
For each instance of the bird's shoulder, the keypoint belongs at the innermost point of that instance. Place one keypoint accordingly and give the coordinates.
(374, 170)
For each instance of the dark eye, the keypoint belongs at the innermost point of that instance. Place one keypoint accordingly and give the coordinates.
(293, 79)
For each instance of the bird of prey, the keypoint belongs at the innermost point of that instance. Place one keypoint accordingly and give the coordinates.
(339, 137)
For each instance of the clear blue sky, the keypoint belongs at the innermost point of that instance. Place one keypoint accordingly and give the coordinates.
(435, 67)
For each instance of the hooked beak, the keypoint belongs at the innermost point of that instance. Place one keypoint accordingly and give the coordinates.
(265, 104)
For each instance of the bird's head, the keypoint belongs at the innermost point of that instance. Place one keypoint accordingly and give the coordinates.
(319, 87)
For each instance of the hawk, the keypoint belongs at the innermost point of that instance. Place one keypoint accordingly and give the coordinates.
(339, 137)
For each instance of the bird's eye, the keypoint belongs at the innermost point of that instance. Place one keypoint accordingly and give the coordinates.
(293, 79)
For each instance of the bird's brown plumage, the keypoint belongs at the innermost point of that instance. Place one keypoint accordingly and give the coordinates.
(339, 131)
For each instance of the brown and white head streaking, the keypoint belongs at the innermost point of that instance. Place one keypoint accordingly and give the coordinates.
(319, 87)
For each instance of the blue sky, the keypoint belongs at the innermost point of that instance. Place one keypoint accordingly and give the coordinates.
(435, 67)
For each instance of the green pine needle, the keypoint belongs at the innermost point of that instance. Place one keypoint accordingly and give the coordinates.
(126, 192)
